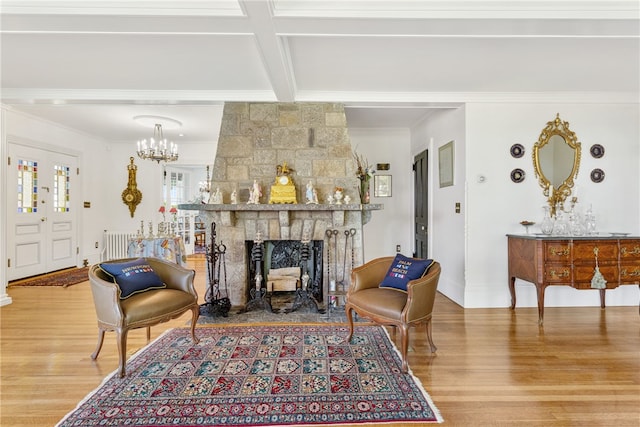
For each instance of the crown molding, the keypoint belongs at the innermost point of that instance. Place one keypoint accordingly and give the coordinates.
(97, 96)
(391, 99)
(123, 8)
(416, 98)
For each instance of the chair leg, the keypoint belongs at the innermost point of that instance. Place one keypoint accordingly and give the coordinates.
(148, 333)
(348, 311)
(122, 350)
(433, 347)
(101, 331)
(194, 321)
(404, 343)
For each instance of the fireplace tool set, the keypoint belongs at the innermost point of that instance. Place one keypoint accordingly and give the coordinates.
(338, 287)
(216, 304)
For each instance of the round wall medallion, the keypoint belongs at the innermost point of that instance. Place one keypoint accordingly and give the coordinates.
(597, 151)
(517, 150)
(597, 175)
(517, 175)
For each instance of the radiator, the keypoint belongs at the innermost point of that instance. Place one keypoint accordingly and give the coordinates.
(115, 245)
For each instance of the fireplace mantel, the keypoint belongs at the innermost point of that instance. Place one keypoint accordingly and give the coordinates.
(228, 211)
(239, 223)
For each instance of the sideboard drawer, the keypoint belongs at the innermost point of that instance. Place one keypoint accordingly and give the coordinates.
(557, 252)
(630, 273)
(582, 275)
(584, 250)
(630, 251)
(557, 273)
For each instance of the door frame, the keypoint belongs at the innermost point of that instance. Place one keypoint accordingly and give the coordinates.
(426, 198)
(76, 203)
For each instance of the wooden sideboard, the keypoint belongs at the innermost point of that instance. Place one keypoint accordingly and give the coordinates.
(570, 261)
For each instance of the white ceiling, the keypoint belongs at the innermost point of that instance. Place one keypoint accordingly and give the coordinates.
(94, 65)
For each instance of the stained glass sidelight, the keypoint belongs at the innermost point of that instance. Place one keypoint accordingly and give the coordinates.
(27, 186)
(61, 188)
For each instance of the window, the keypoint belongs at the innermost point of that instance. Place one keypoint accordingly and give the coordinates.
(27, 186)
(176, 188)
(61, 188)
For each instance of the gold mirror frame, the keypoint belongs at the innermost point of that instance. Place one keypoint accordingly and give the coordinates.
(560, 128)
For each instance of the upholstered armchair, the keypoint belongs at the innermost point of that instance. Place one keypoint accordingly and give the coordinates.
(389, 306)
(141, 308)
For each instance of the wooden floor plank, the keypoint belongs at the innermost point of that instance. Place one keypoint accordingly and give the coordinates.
(493, 367)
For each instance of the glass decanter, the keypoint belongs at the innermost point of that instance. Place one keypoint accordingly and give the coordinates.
(590, 223)
(547, 222)
(576, 225)
(560, 226)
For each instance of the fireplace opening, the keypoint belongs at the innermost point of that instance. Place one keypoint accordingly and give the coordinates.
(283, 262)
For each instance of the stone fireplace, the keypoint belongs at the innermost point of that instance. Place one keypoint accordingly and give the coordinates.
(313, 141)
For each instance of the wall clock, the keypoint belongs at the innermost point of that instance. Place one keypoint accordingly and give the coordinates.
(131, 196)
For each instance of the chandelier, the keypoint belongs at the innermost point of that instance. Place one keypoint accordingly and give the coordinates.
(157, 147)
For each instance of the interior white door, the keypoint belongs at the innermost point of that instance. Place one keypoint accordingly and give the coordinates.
(42, 217)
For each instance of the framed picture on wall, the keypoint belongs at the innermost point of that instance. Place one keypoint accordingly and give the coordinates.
(445, 164)
(382, 186)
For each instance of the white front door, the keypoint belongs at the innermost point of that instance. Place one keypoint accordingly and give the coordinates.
(41, 229)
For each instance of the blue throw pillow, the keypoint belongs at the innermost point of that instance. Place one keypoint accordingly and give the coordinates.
(403, 270)
(133, 276)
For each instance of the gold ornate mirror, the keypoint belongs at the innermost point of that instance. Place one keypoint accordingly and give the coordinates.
(556, 159)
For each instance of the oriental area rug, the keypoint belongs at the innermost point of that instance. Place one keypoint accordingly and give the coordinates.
(64, 278)
(291, 375)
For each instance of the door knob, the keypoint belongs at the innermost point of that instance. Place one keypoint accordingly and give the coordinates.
(43, 219)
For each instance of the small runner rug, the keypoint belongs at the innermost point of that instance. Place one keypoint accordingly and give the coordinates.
(68, 277)
(291, 375)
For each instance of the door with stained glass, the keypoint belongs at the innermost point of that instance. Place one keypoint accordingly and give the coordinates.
(42, 230)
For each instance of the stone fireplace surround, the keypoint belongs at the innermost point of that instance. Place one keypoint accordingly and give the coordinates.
(236, 224)
(313, 139)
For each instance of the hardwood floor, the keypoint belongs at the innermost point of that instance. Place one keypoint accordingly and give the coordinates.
(493, 367)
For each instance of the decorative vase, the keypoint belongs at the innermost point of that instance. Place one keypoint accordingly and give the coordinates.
(364, 191)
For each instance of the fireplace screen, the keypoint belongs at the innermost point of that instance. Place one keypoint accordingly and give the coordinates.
(287, 254)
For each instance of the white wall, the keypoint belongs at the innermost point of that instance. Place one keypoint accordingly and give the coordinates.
(496, 206)
(392, 225)
(149, 178)
(446, 227)
(103, 177)
(26, 130)
(472, 246)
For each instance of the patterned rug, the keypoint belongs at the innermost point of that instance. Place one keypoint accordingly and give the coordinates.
(260, 376)
(64, 278)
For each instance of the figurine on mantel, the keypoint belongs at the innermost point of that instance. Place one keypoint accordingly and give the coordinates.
(255, 193)
(216, 198)
(338, 195)
(312, 194)
(234, 197)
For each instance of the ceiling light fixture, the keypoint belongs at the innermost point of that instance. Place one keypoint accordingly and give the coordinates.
(157, 148)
